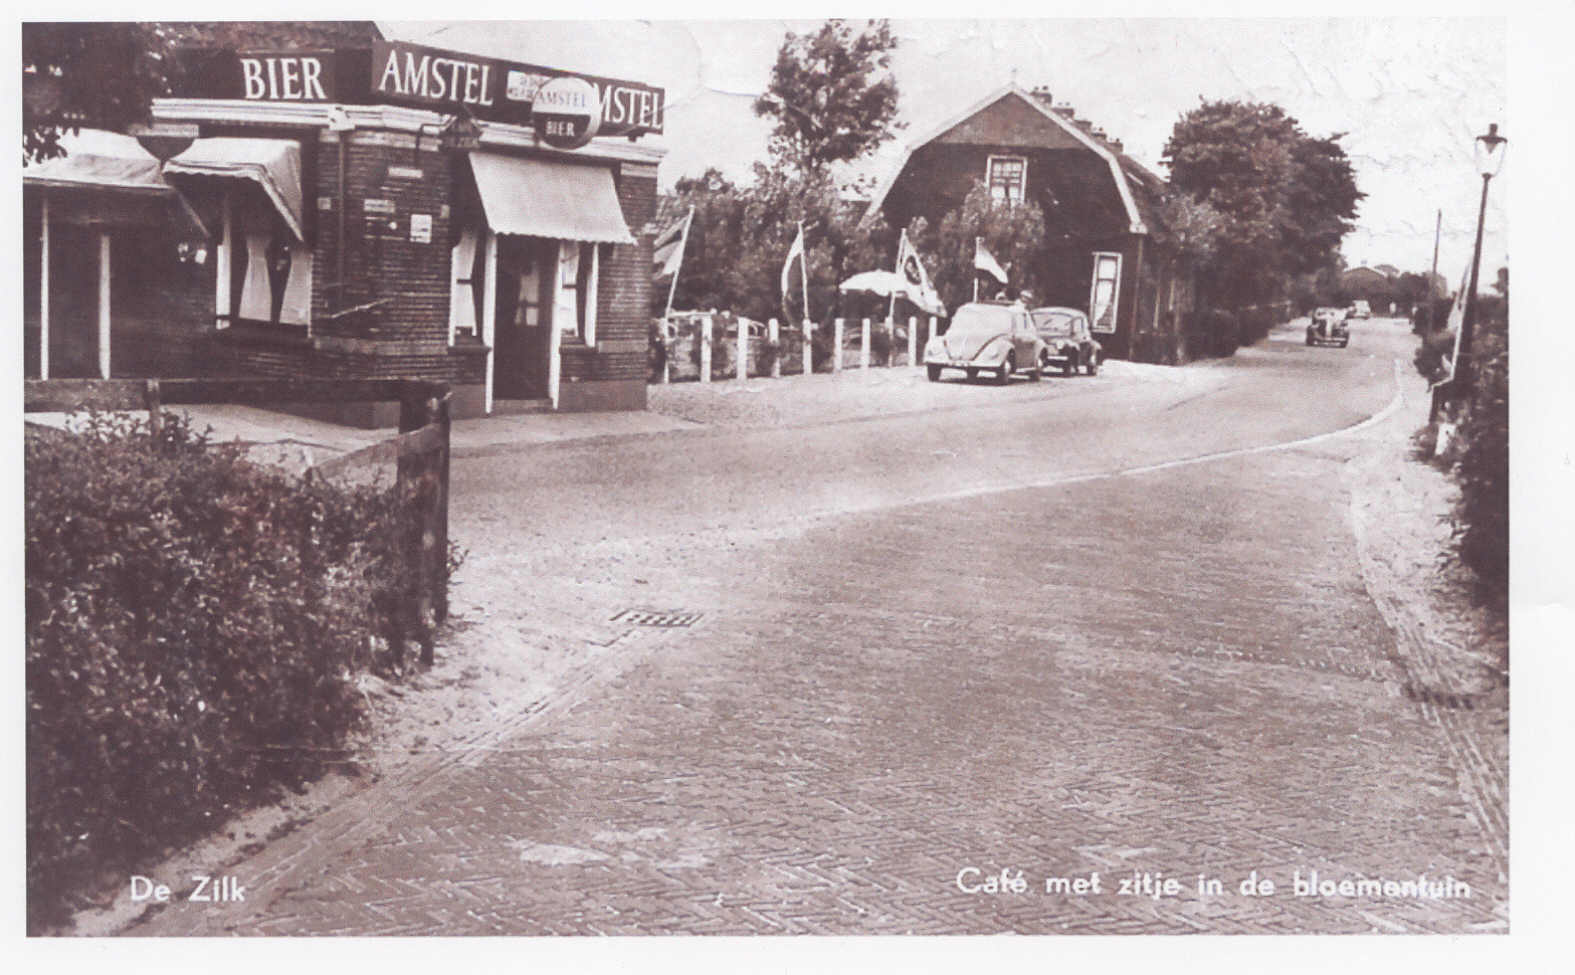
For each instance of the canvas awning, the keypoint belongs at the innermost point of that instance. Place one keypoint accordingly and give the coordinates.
(547, 198)
(273, 164)
(109, 181)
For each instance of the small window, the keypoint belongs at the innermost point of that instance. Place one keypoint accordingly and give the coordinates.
(1105, 291)
(1008, 179)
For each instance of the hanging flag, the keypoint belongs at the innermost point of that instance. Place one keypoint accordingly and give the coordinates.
(984, 261)
(918, 281)
(1457, 321)
(794, 252)
(668, 253)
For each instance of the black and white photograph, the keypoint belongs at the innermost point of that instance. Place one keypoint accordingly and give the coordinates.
(787, 476)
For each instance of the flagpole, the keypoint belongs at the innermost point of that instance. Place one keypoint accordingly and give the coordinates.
(803, 267)
(902, 248)
(683, 244)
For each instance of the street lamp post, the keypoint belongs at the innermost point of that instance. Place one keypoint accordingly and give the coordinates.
(1490, 150)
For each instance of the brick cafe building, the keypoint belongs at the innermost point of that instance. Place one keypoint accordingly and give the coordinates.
(390, 210)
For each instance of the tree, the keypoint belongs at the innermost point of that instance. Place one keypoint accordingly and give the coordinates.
(1014, 234)
(76, 75)
(832, 95)
(1286, 199)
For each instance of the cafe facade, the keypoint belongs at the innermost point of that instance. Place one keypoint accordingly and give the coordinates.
(402, 211)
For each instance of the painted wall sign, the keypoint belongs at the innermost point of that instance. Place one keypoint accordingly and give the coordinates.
(286, 76)
(504, 91)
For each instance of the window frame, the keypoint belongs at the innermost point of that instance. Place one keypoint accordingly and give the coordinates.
(1022, 178)
(1115, 294)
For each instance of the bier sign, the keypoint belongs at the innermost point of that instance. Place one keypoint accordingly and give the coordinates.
(573, 108)
(286, 76)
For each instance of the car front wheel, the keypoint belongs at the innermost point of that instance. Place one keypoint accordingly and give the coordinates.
(1093, 365)
(1069, 366)
(1007, 368)
(934, 373)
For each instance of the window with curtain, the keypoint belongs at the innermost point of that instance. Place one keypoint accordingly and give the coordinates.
(1105, 291)
(271, 271)
(1008, 179)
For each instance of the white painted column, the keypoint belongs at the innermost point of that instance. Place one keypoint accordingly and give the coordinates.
(913, 341)
(103, 304)
(864, 345)
(808, 350)
(555, 326)
(705, 349)
(43, 295)
(743, 351)
(489, 312)
(223, 254)
(836, 345)
(774, 333)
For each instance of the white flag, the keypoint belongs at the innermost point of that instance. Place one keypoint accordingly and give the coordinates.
(1457, 321)
(794, 252)
(918, 280)
(668, 254)
(984, 261)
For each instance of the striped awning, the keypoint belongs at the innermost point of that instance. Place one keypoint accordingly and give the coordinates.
(548, 198)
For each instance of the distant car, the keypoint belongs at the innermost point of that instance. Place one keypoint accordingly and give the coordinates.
(1068, 341)
(1359, 309)
(986, 337)
(1328, 327)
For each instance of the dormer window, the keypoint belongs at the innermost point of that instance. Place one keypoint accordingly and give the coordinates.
(1008, 179)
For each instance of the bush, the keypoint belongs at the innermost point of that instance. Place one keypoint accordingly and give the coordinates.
(1432, 354)
(194, 624)
(1482, 514)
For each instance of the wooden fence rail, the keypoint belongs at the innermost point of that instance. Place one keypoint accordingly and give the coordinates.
(421, 452)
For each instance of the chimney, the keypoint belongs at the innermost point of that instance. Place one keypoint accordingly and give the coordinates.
(1064, 110)
(1115, 145)
(1041, 93)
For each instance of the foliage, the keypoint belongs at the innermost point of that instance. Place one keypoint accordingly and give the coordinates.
(740, 237)
(1286, 199)
(1014, 234)
(1482, 514)
(75, 75)
(194, 625)
(831, 95)
(1190, 229)
(1432, 354)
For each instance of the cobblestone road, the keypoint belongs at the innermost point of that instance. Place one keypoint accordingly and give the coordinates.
(1174, 673)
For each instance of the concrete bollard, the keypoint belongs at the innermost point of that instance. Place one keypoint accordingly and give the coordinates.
(913, 341)
(743, 351)
(705, 349)
(864, 345)
(809, 350)
(774, 334)
(836, 345)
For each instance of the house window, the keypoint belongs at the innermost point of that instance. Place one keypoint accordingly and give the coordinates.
(1104, 291)
(1008, 179)
(466, 273)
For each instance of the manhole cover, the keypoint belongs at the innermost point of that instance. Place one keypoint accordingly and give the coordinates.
(657, 617)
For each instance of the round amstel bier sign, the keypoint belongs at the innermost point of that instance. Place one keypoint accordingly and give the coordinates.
(566, 112)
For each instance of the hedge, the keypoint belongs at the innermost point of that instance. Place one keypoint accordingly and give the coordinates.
(195, 623)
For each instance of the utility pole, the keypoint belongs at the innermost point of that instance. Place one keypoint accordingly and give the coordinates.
(1438, 229)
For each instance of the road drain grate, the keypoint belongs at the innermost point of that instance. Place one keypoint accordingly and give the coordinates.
(657, 617)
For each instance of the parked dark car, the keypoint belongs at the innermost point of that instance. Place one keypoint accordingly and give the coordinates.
(1069, 343)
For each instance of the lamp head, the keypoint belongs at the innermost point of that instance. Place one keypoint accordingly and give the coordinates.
(1490, 149)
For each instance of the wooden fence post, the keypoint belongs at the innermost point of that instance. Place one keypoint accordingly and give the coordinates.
(809, 347)
(836, 346)
(705, 349)
(913, 341)
(864, 345)
(742, 372)
(774, 335)
(150, 400)
(667, 354)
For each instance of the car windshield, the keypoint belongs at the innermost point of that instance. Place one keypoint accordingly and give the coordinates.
(1057, 322)
(970, 321)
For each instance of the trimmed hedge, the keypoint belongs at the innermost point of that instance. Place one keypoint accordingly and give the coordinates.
(194, 626)
(1482, 515)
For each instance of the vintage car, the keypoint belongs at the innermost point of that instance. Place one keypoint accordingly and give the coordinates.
(1328, 327)
(1068, 341)
(1359, 309)
(986, 337)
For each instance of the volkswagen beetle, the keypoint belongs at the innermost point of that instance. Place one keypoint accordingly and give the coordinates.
(986, 337)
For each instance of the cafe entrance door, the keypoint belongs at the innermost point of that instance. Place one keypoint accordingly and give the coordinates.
(523, 328)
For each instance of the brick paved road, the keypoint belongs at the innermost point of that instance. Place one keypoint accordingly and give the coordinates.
(1177, 672)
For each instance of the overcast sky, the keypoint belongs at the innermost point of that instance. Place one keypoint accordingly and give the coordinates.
(1409, 93)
